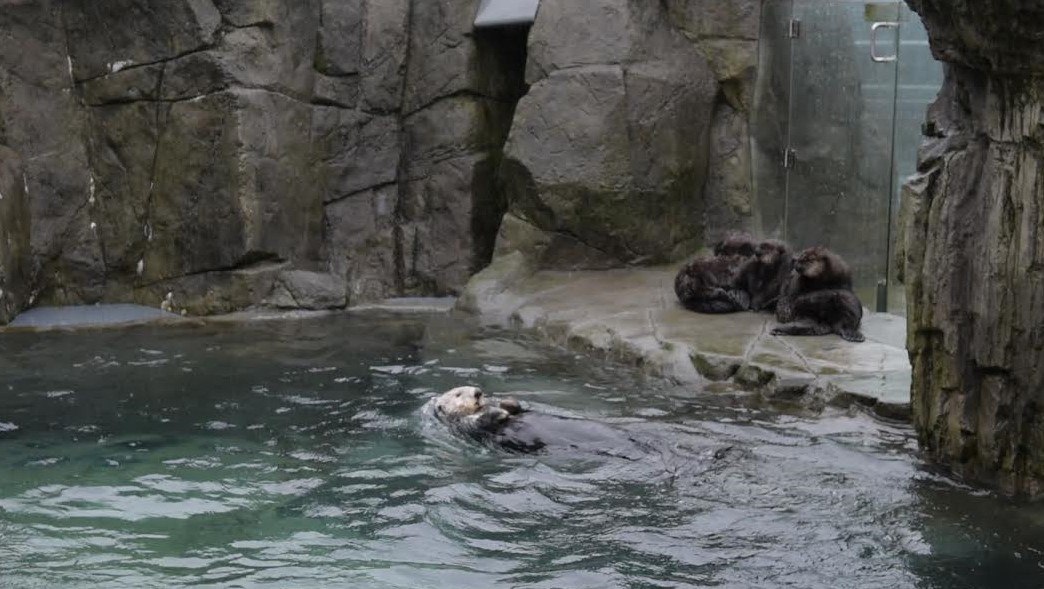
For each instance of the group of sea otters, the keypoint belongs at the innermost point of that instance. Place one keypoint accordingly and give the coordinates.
(810, 292)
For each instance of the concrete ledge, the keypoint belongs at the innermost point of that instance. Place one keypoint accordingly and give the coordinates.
(408, 305)
(89, 317)
(115, 316)
(632, 316)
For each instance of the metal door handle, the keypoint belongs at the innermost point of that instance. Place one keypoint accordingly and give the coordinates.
(873, 41)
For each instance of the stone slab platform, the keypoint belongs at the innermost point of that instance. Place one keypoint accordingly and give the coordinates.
(632, 315)
(88, 317)
(115, 316)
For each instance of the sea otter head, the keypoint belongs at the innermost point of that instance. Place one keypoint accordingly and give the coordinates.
(468, 410)
(812, 262)
(772, 251)
(735, 243)
(459, 402)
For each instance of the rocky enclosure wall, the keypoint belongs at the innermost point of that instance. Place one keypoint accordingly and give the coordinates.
(632, 143)
(295, 153)
(320, 153)
(974, 246)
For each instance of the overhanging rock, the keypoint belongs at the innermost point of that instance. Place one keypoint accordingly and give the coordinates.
(494, 13)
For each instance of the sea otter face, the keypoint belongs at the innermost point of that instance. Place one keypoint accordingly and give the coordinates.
(810, 263)
(769, 252)
(459, 402)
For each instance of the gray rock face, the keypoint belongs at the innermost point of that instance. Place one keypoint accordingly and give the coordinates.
(299, 289)
(14, 231)
(111, 36)
(363, 243)
(614, 142)
(996, 37)
(974, 245)
(231, 153)
(41, 120)
(232, 196)
(320, 153)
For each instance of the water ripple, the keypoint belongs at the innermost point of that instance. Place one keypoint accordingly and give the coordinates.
(301, 454)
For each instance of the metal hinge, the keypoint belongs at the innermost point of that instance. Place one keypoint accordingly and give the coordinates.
(794, 31)
(789, 155)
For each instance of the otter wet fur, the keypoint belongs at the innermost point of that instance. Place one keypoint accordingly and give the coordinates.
(707, 284)
(763, 277)
(503, 423)
(817, 298)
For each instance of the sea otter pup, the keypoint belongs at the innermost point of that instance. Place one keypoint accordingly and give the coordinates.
(707, 284)
(503, 423)
(763, 277)
(818, 298)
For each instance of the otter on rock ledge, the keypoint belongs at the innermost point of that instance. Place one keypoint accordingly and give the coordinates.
(707, 284)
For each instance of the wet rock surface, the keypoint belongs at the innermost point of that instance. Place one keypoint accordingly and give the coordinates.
(631, 315)
(973, 247)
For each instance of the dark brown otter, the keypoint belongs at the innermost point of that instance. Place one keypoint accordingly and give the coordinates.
(707, 284)
(763, 277)
(817, 298)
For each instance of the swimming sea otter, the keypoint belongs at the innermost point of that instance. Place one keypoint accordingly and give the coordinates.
(504, 423)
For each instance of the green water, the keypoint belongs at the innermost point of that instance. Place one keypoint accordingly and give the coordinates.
(296, 454)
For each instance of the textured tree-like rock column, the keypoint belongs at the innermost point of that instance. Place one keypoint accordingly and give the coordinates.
(973, 259)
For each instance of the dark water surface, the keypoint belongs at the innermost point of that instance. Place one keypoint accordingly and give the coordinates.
(295, 454)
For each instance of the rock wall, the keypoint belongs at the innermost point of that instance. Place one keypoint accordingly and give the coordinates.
(973, 259)
(14, 228)
(632, 140)
(297, 153)
(323, 153)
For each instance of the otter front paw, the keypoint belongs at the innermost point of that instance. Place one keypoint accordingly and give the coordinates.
(491, 418)
(511, 405)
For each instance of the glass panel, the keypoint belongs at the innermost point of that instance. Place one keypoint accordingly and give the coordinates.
(920, 78)
(769, 124)
(841, 130)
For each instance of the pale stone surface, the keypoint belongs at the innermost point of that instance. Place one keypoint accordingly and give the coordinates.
(90, 316)
(632, 315)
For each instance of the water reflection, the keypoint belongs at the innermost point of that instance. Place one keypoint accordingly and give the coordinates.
(294, 454)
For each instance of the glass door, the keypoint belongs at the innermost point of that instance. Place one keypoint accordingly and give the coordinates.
(842, 87)
(919, 79)
(842, 117)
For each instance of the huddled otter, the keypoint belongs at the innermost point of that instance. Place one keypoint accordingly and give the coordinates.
(503, 423)
(763, 277)
(818, 298)
(707, 284)
(810, 293)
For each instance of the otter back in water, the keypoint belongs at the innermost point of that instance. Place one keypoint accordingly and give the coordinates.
(535, 431)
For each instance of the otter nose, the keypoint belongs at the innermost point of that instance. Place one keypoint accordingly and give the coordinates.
(478, 394)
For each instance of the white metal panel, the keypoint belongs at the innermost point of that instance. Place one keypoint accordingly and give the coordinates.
(492, 13)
